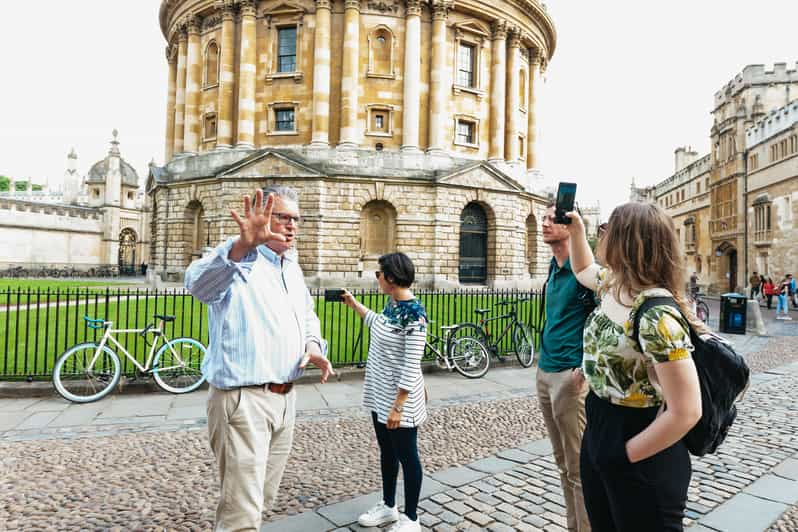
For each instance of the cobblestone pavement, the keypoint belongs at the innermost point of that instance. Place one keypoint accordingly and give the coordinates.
(141, 476)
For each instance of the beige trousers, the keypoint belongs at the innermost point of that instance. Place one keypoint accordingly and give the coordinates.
(563, 407)
(251, 432)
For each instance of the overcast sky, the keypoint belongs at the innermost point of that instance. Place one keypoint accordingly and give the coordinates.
(629, 82)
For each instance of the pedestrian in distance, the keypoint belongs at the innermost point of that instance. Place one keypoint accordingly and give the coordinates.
(769, 290)
(635, 467)
(561, 389)
(393, 389)
(263, 332)
(782, 304)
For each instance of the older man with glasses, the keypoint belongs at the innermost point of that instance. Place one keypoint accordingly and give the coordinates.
(263, 332)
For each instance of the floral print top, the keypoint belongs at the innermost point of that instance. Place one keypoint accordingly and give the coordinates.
(613, 363)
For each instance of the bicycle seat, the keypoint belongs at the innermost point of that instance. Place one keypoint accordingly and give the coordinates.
(482, 311)
(165, 317)
(448, 327)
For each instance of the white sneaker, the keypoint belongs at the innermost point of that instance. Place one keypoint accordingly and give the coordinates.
(379, 515)
(404, 524)
(787, 318)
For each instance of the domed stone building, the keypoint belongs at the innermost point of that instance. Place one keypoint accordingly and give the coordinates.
(405, 125)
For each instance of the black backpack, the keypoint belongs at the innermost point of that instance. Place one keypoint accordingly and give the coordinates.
(723, 377)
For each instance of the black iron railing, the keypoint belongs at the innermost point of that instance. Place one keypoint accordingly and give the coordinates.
(37, 325)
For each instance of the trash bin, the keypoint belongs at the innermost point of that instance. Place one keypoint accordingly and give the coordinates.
(733, 313)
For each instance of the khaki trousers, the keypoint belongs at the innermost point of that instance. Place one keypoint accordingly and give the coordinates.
(563, 408)
(251, 432)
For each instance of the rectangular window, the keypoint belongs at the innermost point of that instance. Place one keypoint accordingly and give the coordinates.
(284, 119)
(698, 187)
(378, 122)
(465, 132)
(286, 53)
(465, 65)
(210, 126)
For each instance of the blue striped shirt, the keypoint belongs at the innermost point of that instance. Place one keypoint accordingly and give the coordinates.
(260, 316)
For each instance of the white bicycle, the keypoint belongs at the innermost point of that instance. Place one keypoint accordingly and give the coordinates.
(89, 371)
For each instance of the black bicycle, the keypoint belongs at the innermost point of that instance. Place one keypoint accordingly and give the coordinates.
(523, 343)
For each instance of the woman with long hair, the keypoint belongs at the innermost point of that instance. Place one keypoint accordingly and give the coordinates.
(635, 468)
(393, 389)
(768, 289)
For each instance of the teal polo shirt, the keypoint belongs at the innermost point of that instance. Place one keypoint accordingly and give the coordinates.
(561, 343)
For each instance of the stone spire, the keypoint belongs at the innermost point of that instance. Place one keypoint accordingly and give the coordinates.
(71, 182)
(114, 143)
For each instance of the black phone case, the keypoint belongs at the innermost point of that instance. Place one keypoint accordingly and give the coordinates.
(333, 294)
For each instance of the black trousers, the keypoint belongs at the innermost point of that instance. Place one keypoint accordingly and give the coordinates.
(399, 446)
(649, 495)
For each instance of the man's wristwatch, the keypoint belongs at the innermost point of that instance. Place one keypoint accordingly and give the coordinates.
(398, 409)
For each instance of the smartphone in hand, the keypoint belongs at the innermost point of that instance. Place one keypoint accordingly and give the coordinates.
(566, 194)
(334, 294)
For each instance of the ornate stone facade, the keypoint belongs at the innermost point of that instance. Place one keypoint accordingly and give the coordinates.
(403, 112)
(734, 206)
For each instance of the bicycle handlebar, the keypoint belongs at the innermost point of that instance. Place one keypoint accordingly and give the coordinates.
(510, 303)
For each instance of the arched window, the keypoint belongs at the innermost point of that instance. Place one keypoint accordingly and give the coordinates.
(212, 64)
(381, 44)
(473, 244)
(195, 231)
(377, 229)
(127, 251)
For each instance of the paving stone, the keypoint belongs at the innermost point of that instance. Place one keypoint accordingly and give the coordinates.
(428, 520)
(503, 517)
(506, 497)
(516, 455)
(539, 447)
(788, 468)
(457, 507)
(492, 465)
(441, 498)
(743, 513)
(487, 499)
(479, 518)
(450, 517)
(299, 523)
(457, 476)
(430, 506)
(444, 527)
(535, 520)
(347, 511)
(775, 488)
(500, 527)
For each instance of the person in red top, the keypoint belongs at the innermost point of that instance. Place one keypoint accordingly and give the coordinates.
(768, 290)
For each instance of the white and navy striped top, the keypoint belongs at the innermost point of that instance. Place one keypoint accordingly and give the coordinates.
(394, 361)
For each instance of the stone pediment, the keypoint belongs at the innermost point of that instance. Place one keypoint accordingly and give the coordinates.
(481, 175)
(270, 164)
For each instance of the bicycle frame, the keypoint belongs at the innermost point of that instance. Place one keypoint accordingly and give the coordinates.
(146, 367)
(494, 345)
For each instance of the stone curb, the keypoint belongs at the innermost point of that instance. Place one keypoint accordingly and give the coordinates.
(23, 389)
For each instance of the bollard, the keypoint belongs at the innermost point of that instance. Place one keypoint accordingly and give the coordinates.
(754, 323)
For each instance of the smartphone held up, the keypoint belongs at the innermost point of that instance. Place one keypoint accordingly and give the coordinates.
(566, 195)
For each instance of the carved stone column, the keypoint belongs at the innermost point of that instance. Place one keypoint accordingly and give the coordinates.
(224, 125)
(321, 76)
(191, 133)
(349, 137)
(171, 58)
(439, 78)
(531, 126)
(498, 84)
(511, 147)
(246, 76)
(412, 76)
(180, 89)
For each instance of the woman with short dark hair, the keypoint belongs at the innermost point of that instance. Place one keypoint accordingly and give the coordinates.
(393, 390)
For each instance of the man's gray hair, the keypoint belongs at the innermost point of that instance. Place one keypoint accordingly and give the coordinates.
(282, 191)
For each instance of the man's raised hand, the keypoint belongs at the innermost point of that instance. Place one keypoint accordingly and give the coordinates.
(255, 227)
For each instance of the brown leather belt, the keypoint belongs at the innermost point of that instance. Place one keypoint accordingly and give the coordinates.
(274, 387)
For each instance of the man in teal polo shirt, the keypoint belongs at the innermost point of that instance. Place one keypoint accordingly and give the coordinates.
(561, 387)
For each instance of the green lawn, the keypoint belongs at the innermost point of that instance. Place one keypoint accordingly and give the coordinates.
(31, 339)
(9, 284)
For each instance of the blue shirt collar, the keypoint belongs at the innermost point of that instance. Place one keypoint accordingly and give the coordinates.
(565, 265)
(269, 254)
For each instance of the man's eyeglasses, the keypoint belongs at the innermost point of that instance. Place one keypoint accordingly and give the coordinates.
(284, 218)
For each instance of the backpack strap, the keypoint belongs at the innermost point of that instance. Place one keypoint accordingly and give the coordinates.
(644, 306)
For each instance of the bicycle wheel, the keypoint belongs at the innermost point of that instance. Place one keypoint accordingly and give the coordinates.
(467, 352)
(702, 311)
(524, 344)
(176, 367)
(77, 381)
